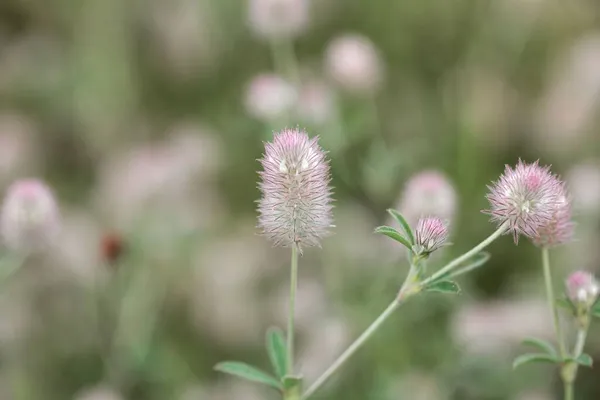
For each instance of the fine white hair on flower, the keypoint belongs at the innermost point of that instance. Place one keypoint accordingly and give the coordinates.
(525, 198)
(295, 207)
(431, 234)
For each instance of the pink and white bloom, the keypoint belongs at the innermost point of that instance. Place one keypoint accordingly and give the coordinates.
(430, 235)
(582, 288)
(353, 62)
(295, 208)
(525, 199)
(428, 193)
(29, 219)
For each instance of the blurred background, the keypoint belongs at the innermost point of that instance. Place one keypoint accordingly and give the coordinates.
(147, 118)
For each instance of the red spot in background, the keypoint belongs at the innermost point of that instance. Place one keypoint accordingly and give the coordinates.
(111, 247)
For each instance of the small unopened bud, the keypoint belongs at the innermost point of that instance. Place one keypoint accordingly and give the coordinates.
(582, 289)
(430, 235)
(29, 219)
(295, 208)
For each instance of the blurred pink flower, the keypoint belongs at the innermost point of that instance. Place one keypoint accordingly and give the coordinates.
(295, 207)
(525, 197)
(428, 193)
(582, 288)
(29, 220)
(278, 19)
(353, 62)
(269, 97)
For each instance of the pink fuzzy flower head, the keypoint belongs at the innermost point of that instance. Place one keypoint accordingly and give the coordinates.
(525, 198)
(29, 219)
(428, 193)
(582, 288)
(559, 229)
(295, 208)
(430, 235)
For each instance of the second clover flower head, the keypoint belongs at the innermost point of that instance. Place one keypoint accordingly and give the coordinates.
(295, 208)
(430, 235)
(582, 288)
(525, 199)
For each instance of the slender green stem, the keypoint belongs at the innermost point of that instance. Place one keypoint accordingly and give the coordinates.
(292, 310)
(552, 302)
(570, 379)
(353, 348)
(581, 337)
(569, 392)
(459, 260)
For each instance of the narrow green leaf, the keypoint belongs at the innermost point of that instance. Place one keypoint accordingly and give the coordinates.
(533, 357)
(248, 372)
(585, 360)
(394, 234)
(444, 287)
(404, 224)
(541, 345)
(476, 261)
(277, 351)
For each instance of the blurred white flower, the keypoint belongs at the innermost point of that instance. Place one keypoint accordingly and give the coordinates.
(269, 97)
(30, 218)
(354, 63)
(568, 108)
(498, 327)
(100, 392)
(584, 184)
(278, 19)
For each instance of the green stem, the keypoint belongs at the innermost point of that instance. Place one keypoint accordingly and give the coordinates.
(552, 302)
(353, 348)
(292, 310)
(570, 378)
(471, 253)
(284, 59)
(569, 392)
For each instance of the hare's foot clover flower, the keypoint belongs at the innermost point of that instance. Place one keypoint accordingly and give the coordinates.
(430, 235)
(295, 208)
(525, 198)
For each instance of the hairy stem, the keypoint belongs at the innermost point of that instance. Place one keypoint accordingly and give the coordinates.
(353, 348)
(552, 302)
(292, 310)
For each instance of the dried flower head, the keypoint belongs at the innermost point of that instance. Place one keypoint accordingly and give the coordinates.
(295, 208)
(430, 235)
(277, 19)
(582, 288)
(559, 229)
(525, 198)
(29, 219)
